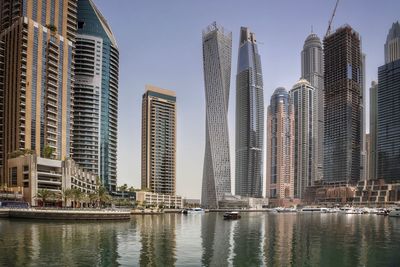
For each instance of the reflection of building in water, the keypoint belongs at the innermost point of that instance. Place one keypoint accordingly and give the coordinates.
(278, 241)
(62, 244)
(216, 235)
(158, 240)
(248, 241)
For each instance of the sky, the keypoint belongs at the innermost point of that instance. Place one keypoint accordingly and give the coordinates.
(160, 44)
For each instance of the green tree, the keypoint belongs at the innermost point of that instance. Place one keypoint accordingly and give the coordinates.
(123, 188)
(77, 196)
(44, 195)
(94, 198)
(47, 152)
(67, 194)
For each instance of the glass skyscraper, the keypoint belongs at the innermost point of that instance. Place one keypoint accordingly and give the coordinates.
(280, 146)
(249, 118)
(96, 95)
(312, 69)
(217, 54)
(388, 130)
(304, 100)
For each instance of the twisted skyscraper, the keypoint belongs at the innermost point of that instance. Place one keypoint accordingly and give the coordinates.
(217, 53)
(249, 118)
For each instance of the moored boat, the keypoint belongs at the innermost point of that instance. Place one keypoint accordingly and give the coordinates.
(232, 215)
(395, 212)
(193, 211)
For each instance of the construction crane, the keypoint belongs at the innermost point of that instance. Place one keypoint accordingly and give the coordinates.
(328, 31)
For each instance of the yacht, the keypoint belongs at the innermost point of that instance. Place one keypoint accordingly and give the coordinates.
(313, 209)
(193, 211)
(350, 210)
(395, 212)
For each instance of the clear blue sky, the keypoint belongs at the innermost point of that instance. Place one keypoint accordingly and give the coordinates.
(160, 44)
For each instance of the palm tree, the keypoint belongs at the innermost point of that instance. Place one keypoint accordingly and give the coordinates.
(103, 195)
(123, 189)
(67, 195)
(44, 195)
(77, 196)
(93, 198)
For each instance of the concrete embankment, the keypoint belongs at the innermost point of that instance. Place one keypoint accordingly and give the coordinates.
(4, 213)
(67, 214)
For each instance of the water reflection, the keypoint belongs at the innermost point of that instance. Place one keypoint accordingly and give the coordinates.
(258, 239)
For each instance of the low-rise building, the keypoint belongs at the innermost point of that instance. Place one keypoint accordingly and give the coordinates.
(27, 174)
(155, 199)
(238, 202)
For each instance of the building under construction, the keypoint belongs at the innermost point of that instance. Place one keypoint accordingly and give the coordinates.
(342, 108)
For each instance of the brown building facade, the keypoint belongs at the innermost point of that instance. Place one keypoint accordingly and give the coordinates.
(36, 77)
(280, 146)
(159, 140)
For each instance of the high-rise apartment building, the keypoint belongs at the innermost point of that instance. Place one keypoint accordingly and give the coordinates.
(343, 111)
(249, 118)
(373, 127)
(388, 131)
(36, 77)
(96, 95)
(280, 146)
(304, 101)
(217, 54)
(312, 69)
(392, 45)
(159, 140)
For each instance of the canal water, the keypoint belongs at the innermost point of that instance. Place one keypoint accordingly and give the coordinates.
(257, 239)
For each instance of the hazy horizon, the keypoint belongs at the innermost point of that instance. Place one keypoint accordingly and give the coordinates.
(160, 44)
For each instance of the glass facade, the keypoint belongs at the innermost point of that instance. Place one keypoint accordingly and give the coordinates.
(280, 146)
(388, 132)
(303, 98)
(249, 118)
(91, 23)
(217, 54)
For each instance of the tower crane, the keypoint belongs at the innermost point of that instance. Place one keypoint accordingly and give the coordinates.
(328, 31)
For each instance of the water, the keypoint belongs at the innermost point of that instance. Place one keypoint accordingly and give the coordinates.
(258, 239)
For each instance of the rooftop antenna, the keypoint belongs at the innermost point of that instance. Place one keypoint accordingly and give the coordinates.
(328, 31)
(312, 29)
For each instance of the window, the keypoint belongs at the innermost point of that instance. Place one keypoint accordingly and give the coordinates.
(13, 176)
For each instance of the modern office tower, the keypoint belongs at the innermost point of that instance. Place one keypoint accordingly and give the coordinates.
(96, 95)
(367, 156)
(36, 77)
(280, 146)
(392, 45)
(312, 69)
(373, 127)
(363, 154)
(217, 54)
(304, 101)
(159, 140)
(249, 118)
(342, 113)
(388, 132)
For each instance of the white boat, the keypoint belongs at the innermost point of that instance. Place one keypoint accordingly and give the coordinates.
(194, 211)
(281, 209)
(350, 210)
(313, 209)
(395, 212)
